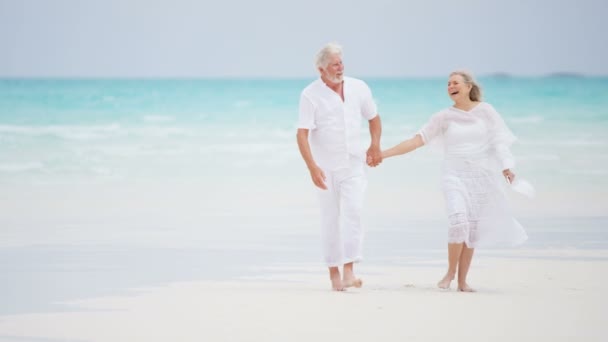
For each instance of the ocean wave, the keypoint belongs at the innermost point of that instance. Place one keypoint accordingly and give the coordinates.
(20, 167)
(534, 119)
(565, 142)
(99, 132)
(540, 157)
(162, 132)
(586, 172)
(284, 133)
(158, 118)
(133, 150)
(67, 132)
(249, 148)
(268, 162)
(242, 104)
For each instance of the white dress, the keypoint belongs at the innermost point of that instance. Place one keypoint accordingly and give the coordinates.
(476, 147)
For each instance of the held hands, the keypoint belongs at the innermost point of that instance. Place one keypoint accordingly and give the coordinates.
(374, 156)
(318, 177)
(509, 176)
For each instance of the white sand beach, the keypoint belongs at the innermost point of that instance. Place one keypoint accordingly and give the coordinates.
(152, 187)
(530, 295)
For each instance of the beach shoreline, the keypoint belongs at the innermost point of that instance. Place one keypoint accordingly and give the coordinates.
(535, 295)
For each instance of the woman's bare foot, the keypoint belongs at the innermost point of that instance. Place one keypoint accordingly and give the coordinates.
(465, 288)
(353, 282)
(336, 283)
(445, 282)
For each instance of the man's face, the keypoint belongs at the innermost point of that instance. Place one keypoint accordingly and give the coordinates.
(334, 71)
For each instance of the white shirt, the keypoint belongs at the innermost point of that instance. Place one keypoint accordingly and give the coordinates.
(470, 134)
(335, 125)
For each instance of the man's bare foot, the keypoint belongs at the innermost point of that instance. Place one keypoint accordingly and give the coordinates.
(354, 282)
(465, 288)
(336, 283)
(445, 282)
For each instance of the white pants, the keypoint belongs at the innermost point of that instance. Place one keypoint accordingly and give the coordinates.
(341, 206)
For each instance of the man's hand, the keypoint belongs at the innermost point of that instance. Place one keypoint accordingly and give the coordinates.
(374, 156)
(318, 177)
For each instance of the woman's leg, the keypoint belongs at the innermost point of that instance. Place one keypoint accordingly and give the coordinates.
(463, 268)
(457, 235)
(465, 259)
(454, 254)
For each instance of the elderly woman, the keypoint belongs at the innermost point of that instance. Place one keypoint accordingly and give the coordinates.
(475, 143)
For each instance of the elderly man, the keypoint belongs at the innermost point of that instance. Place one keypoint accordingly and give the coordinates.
(331, 110)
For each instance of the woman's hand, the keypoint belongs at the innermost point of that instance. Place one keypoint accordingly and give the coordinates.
(374, 156)
(509, 176)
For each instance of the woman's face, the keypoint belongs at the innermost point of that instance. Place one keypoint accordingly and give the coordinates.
(458, 90)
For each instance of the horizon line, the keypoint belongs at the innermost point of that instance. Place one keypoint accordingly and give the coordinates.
(294, 78)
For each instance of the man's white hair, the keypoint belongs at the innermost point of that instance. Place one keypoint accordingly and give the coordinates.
(322, 58)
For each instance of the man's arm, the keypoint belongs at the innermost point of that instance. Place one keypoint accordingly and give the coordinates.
(374, 154)
(317, 175)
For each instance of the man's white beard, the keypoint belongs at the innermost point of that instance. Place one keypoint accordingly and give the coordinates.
(335, 79)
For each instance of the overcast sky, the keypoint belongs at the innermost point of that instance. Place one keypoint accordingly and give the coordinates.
(278, 38)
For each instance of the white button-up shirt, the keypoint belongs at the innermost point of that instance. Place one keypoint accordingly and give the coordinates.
(335, 125)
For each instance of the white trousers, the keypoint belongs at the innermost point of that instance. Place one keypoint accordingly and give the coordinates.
(341, 206)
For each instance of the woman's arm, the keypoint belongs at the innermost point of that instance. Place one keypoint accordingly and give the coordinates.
(404, 147)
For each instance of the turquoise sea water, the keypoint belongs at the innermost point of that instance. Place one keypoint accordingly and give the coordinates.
(108, 131)
(74, 148)
(139, 149)
(110, 184)
(43, 121)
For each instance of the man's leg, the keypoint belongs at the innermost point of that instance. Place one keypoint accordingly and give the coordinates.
(352, 193)
(330, 231)
(336, 279)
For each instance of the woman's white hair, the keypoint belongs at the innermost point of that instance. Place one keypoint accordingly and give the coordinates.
(322, 58)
